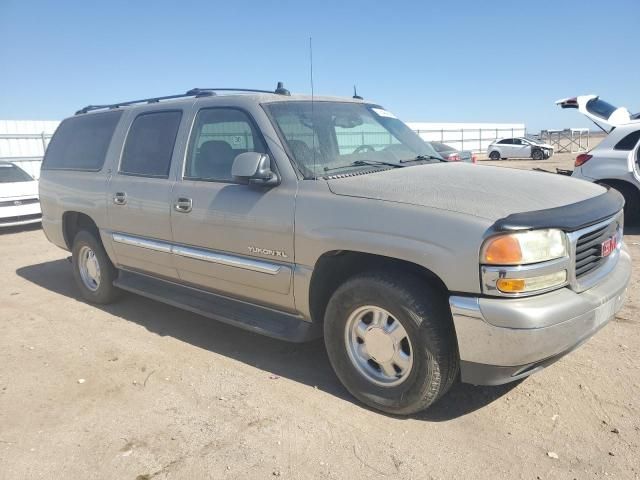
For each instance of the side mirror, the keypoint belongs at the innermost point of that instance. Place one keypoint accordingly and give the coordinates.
(255, 169)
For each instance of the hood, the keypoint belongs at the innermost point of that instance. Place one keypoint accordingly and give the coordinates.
(19, 189)
(483, 191)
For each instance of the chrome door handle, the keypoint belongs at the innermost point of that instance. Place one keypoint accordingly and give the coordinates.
(120, 198)
(183, 205)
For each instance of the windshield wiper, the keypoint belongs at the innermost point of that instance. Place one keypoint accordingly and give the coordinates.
(359, 163)
(421, 158)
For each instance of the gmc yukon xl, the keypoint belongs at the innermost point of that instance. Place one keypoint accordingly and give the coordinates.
(300, 217)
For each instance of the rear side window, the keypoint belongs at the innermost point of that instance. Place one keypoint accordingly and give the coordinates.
(219, 135)
(149, 146)
(506, 141)
(629, 142)
(81, 143)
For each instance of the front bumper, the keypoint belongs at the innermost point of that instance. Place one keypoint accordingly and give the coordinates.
(20, 215)
(501, 340)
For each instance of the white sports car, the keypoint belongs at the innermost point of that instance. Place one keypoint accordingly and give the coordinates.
(19, 202)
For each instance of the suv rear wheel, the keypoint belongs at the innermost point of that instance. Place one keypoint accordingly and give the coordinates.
(93, 271)
(391, 342)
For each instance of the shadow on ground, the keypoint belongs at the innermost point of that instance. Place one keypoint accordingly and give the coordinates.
(305, 363)
(20, 228)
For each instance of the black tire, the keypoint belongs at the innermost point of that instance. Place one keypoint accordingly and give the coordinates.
(423, 312)
(494, 155)
(537, 154)
(631, 201)
(105, 291)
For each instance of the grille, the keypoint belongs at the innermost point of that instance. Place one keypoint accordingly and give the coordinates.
(589, 249)
(26, 201)
(20, 218)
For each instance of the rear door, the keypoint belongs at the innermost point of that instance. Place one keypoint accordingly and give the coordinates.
(231, 238)
(140, 193)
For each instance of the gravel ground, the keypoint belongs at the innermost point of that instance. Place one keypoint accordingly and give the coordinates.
(140, 390)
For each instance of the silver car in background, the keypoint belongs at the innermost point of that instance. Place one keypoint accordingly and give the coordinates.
(450, 154)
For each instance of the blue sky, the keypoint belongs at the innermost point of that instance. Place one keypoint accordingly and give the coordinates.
(503, 61)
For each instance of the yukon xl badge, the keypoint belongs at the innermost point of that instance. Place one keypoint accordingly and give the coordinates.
(268, 251)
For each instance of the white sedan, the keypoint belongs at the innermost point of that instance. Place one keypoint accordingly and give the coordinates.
(19, 202)
(519, 147)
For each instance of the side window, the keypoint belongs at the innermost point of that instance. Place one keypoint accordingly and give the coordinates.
(506, 141)
(81, 143)
(149, 146)
(218, 136)
(517, 141)
(629, 142)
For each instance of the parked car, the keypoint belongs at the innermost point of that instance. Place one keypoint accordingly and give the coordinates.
(273, 212)
(519, 147)
(19, 203)
(451, 154)
(615, 161)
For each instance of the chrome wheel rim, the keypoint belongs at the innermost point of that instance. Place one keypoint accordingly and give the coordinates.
(378, 346)
(89, 268)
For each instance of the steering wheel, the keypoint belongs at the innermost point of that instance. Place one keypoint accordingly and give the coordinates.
(364, 149)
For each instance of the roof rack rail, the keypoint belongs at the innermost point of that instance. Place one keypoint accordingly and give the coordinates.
(194, 92)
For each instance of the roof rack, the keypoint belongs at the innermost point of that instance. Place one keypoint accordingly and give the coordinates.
(194, 92)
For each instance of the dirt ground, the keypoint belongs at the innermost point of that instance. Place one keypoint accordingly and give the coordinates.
(140, 390)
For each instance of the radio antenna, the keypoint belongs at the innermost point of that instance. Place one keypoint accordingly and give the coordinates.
(313, 131)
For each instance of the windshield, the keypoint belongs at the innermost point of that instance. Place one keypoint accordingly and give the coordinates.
(10, 173)
(328, 136)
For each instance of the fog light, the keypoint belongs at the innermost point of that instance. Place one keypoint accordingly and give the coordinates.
(522, 285)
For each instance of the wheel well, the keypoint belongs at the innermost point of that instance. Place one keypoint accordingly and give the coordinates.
(619, 185)
(334, 268)
(73, 222)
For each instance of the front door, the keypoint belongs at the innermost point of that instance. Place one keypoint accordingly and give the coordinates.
(140, 194)
(520, 149)
(231, 238)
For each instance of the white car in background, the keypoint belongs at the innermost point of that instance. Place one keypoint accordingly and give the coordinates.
(19, 202)
(614, 162)
(519, 147)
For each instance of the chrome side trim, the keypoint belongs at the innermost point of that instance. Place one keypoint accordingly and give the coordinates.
(229, 260)
(142, 242)
(198, 254)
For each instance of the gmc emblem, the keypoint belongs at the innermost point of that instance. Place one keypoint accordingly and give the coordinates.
(608, 246)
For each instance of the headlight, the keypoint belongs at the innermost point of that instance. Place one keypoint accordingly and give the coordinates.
(524, 263)
(523, 248)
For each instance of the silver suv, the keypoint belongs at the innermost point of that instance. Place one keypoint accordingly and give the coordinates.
(300, 217)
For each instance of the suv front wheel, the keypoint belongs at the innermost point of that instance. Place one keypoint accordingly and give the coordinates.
(391, 341)
(93, 271)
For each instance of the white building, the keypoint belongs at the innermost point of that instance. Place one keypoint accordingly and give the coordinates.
(23, 142)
